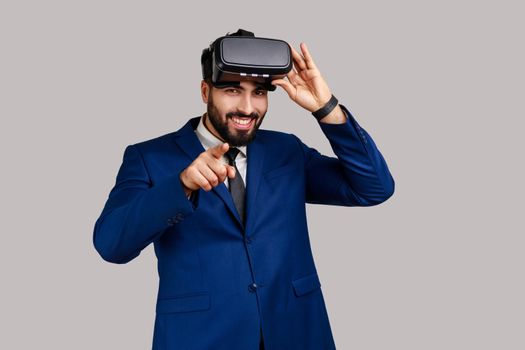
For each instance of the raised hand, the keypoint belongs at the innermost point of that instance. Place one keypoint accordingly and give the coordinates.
(305, 84)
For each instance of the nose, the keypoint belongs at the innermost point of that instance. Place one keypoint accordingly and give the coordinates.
(245, 105)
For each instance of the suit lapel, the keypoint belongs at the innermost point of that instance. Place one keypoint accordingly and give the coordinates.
(189, 143)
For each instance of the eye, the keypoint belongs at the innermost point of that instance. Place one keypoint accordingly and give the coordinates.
(232, 91)
(261, 92)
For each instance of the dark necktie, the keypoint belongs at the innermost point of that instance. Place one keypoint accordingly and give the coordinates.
(237, 188)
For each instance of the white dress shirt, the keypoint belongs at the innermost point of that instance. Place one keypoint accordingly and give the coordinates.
(209, 140)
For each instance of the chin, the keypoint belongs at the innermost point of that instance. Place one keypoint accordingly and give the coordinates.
(237, 141)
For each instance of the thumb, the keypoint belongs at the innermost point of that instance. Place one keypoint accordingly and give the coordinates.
(287, 86)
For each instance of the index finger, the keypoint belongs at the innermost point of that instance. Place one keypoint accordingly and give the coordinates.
(219, 150)
(307, 57)
(298, 59)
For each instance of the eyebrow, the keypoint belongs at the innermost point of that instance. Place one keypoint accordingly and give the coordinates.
(257, 87)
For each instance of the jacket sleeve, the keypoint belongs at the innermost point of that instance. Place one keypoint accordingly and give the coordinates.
(359, 176)
(136, 212)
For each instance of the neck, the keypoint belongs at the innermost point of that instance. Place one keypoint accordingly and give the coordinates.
(208, 125)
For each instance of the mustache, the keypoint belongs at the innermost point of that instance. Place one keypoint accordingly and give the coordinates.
(253, 115)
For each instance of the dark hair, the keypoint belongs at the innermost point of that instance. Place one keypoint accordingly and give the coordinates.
(207, 55)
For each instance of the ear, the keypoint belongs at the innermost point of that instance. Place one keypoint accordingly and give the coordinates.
(205, 91)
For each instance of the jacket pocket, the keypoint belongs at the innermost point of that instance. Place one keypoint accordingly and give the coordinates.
(193, 302)
(307, 284)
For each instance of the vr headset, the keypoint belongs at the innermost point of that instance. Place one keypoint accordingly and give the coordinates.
(241, 56)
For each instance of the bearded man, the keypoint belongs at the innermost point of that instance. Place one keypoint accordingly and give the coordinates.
(223, 203)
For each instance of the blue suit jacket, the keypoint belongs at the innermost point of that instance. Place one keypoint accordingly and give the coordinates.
(221, 282)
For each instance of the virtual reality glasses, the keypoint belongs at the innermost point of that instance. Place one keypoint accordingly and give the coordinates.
(232, 59)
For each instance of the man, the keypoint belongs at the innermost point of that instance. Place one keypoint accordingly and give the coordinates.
(224, 205)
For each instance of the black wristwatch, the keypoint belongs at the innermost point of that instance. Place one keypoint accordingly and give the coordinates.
(326, 109)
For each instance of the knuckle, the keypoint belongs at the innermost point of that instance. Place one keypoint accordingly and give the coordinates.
(205, 185)
(213, 179)
(192, 171)
(194, 163)
(202, 157)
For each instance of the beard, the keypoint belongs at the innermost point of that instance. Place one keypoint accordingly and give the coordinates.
(238, 137)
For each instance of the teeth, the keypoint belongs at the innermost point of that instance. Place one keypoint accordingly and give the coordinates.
(242, 121)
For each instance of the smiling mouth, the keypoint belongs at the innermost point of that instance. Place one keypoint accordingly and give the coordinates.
(242, 122)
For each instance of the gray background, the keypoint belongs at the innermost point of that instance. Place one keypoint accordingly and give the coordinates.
(438, 85)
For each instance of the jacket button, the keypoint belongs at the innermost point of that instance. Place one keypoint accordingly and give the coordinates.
(172, 221)
(252, 287)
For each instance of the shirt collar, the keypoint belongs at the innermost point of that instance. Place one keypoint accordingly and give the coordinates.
(209, 140)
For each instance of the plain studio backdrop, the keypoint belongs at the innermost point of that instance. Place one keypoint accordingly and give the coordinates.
(438, 85)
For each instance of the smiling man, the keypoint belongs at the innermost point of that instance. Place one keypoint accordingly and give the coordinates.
(223, 202)
(239, 112)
